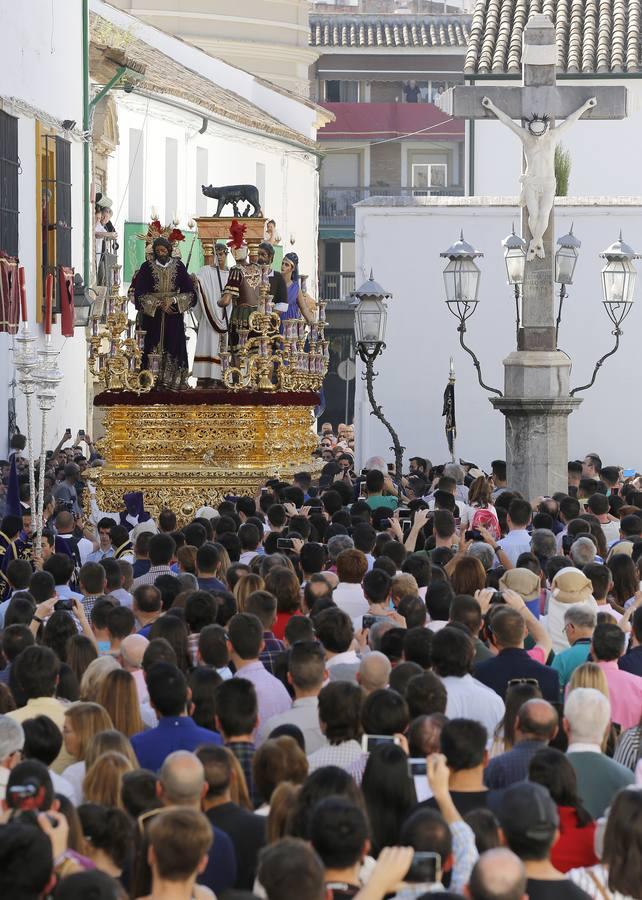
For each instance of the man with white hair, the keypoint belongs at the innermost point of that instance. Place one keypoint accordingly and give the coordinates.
(453, 470)
(579, 625)
(132, 650)
(587, 714)
(484, 553)
(12, 740)
(498, 873)
(374, 672)
(583, 552)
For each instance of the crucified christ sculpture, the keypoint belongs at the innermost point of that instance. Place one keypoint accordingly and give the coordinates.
(538, 181)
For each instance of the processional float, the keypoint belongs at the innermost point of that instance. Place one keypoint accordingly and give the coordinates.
(189, 448)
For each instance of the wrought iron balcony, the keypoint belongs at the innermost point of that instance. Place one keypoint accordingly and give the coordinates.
(336, 285)
(337, 203)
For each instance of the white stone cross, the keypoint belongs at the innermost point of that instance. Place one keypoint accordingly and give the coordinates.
(537, 103)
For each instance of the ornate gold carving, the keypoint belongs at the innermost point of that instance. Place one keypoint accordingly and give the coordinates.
(115, 346)
(184, 457)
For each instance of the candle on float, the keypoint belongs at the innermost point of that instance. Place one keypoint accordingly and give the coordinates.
(23, 294)
(48, 302)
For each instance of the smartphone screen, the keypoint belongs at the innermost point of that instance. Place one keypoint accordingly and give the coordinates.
(404, 513)
(424, 869)
(406, 525)
(370, 741)
(284, 544)
(416, 766)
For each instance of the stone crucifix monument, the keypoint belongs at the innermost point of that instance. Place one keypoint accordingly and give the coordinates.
(536, 401)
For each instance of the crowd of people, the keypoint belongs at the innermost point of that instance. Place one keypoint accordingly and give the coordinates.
(348, 686)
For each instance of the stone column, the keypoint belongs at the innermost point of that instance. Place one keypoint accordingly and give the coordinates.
(536, 405)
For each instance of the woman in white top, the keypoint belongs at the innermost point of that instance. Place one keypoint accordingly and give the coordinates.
(82, 722)
(618, 876)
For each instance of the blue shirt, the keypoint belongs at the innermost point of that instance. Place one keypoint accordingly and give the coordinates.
(566, 662)
(513, 662)
(172, 733)
(221, 870)
(141, 567)
(631, 661)
(210, 584)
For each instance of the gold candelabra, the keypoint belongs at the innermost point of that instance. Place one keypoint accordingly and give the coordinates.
(116, 345)
(266, 359)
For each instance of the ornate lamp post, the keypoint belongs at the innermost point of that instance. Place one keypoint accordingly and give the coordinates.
(515, 260)
(461, 279)
(618, 288)
(565, 261)
(82, 304)
(370, 331)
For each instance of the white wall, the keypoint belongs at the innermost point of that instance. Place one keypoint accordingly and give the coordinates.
(287, 109)
(604, 154)
(402, 245)
(42, 67)
(291, 193)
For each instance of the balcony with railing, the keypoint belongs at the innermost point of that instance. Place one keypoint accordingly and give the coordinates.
(336, 285)
(336, 204)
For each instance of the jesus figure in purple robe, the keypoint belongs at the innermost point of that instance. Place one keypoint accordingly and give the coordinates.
(163, 292)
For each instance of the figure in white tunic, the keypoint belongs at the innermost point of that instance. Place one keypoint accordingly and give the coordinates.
(538, 181)
(212, 321)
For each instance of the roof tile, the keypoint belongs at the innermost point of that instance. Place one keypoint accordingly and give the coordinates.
(592, 35)
(348, 30)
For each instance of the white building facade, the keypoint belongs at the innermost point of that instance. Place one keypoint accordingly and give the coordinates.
(40, 88)
(422, 334)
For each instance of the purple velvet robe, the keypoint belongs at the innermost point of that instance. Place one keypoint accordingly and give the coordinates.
(172, 279)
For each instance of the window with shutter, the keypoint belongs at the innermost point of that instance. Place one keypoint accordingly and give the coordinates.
(9, 168)
(55, 167)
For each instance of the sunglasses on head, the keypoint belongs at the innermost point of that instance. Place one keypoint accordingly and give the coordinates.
(514, 681)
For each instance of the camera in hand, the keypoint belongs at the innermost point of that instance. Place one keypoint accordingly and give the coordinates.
(417, 767)
(370, 741)
(498, 597)
(424, 869)
(284, 544)
(473, 535)
(66, 604)
(368, 621)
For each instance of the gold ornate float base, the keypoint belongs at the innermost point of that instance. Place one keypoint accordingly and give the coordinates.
(186, 455)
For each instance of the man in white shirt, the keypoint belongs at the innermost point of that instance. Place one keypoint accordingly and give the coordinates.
(352, 566)
(452, 658)
(334, 630)
(12, 741)
(598, 504)
(306, 674)
(518, 540)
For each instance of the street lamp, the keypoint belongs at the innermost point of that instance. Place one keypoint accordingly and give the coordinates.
(565, 261)
(461, 279)
(370, 318)
(515, 259)
(618, 286)
(82, 304)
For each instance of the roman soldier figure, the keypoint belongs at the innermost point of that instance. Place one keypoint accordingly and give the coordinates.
(241, 290)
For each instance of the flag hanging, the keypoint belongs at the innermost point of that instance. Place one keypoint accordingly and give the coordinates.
(449, 413)
(13, 507)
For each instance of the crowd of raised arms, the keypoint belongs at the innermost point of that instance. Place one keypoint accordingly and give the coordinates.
(349, 685)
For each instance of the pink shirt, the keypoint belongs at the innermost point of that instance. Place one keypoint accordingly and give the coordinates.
(625, 694)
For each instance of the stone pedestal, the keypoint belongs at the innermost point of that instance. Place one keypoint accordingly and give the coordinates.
(193, 448)
(536, 404)
(217, 228)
